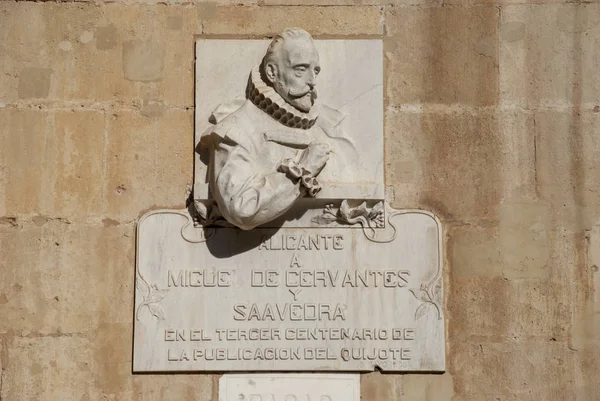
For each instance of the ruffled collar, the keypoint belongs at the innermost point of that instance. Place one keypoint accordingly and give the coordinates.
(268, 100)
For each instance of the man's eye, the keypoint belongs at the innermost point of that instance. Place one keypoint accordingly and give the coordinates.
(317, 71)
(300, 69)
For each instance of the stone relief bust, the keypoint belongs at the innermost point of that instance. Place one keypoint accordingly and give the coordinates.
(267, 150)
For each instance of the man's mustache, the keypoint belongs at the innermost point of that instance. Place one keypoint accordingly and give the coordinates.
(303, 92)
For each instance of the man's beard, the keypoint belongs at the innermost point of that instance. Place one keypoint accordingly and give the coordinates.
(302, 102)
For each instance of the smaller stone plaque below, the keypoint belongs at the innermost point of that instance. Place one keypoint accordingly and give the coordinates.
(289, 387)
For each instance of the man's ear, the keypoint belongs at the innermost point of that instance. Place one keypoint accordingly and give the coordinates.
(271, 72)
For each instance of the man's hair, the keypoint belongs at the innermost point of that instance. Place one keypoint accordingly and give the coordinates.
(288, 33)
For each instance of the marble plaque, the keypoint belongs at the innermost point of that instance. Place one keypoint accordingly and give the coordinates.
(350, 82)
(289, 299)
(289, 387)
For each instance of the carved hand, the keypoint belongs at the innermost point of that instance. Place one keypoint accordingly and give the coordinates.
(314, 157)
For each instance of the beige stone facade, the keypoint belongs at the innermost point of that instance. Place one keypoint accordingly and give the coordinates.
(492, 122)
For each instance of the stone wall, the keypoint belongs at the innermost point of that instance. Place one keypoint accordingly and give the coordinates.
(492, 122)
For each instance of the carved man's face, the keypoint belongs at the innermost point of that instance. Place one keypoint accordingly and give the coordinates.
(294, 72)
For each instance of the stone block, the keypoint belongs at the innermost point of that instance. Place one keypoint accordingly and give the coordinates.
(517, 248)
(153, 44)
(499, 2)
(587, 366)
(176, 158)
(43, 55)
(525, 371)
(154, 53)
(117, 52)
(132, 165)
(346, 2)
(95, 367)
(512, 284)
(427, 387)
(53, 162)
(144, 61)
(268, 21)
(497, 309)
(112, 372)
(376, 386)
(45, 295)
(458, 162)
(442, 55)
(586, 327)
(78, 165)
(34, 82)
(150, 161)
(25, 173)
(37, 364)
(568, 166)
(549, 55)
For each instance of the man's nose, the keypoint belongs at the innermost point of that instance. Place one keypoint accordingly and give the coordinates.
(312, 79)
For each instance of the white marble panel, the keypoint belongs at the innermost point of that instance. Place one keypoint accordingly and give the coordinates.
(351, 81)
(289, 299)
(289, 387)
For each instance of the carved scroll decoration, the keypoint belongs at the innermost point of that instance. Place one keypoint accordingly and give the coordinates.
(372, 222)
(151, 297)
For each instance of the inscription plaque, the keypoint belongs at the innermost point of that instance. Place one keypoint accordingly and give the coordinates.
(289, 387)
(289, 299)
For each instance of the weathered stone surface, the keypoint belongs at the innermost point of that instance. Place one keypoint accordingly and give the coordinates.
(35, 363)
(79, 160)
(587, 327)
(120, 52)
(175, 143)
(568, 166)
(106, 37)
(44, 295)
(442, 55)
(498, 2)
(549, 55)
(459, 163)
(376, 386)
(346, 2)
(144, 61)
(517, 248)
(94, 366)
(24, 172)
(112, 374)
(34, 82)
(358, 20)
(131, 164)
(33, 50)
(428, 387)
(53, 162)
(170, 52)
(138, 146)
(501, 310)
(531, 370)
